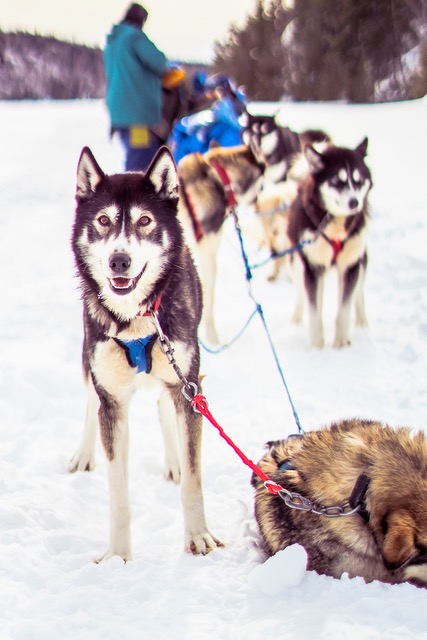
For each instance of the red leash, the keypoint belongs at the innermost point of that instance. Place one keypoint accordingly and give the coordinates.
(199, 403)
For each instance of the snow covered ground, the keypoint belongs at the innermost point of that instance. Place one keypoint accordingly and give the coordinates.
(52, 524)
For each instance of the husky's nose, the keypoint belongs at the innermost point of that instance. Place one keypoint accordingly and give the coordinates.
(353, 203)
(119, 262)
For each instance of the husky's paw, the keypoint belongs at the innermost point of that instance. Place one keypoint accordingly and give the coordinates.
(202, 543)
(318, 343)
(212, 337)
(272, 276)
(339, 343)
(125, 556)
(297, 316)
(82, 461)
(361, 321)
(173, 473)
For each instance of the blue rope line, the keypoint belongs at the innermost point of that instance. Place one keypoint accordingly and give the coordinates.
(233, 340)
(261, 314)
(276, 358)
(296, 247)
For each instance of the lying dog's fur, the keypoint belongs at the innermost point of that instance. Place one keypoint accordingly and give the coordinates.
(203, 207)
(386, 471)
(131, 259)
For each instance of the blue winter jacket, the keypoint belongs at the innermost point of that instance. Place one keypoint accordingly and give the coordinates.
(133, 68)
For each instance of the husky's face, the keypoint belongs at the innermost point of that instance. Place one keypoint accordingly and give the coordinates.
(342, 178)
(264, 131)
(126, 231)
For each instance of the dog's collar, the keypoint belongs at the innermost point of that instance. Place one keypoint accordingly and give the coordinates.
(153, 309)
(357, 498)
(225, 180)
(138, 352)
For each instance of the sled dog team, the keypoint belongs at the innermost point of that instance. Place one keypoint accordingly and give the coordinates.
(135, 240)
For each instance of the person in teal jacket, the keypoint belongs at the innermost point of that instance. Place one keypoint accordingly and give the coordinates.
(134, 68)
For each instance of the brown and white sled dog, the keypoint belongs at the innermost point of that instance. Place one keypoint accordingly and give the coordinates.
(133, 264)
(331, 209)
(206, 182)
(376, 468)
(271, 209)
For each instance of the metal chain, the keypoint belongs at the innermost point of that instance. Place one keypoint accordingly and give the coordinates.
(299, 502)
(189, 389)
(293, 500)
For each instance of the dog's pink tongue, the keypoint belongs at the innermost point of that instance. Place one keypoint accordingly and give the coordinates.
(121, 283)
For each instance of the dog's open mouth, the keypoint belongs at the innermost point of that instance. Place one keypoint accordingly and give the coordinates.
(122, 285)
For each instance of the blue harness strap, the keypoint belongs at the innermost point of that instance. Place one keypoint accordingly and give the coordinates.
(138, 352)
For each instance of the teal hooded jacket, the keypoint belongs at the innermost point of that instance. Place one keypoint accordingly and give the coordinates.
(133, 68)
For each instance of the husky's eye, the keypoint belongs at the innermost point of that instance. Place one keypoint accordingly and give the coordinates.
(104, 221)
(144, 221)
(337, 182)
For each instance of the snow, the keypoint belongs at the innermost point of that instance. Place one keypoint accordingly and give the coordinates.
(53, 524)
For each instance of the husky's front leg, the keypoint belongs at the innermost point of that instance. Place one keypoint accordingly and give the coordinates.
(314, 280)
(347, 285)
(359, 297)
(84, 457)
(198, 538)
(207, 250)
(113, 421)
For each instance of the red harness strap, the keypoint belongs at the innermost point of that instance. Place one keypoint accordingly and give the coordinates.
(223, 176)
(198, 231)
(199, 402)
(156, 306)
(337, 246)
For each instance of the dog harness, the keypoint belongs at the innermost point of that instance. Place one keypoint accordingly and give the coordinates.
(138, 352)
(337, 246)
(229, 194)
(226, 183)
(197, 227)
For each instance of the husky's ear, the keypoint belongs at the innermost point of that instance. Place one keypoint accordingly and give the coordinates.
(362, 148)
(314, 159)
(244, 120)
(89, 174)
(399, 539)
(163, 175)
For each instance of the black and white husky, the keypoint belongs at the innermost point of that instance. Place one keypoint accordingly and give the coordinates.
(139, 284)
(330, 211)
(279, 145)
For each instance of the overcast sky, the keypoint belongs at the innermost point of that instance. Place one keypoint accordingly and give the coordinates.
(184, 29)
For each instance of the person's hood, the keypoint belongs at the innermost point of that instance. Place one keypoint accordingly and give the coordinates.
(118, 29)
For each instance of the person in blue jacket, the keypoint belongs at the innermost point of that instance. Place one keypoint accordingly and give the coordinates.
(217, 124)
(134, 67)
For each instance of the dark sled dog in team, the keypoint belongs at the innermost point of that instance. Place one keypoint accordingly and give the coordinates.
(138, 283)
(330, 214)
